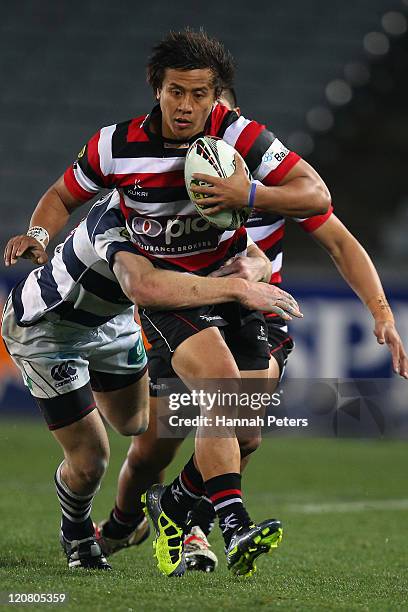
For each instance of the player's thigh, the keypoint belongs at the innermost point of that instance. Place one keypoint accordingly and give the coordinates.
(204, 355)
(118, 374)
(274, 372)
(126, 408)
(248, 343)
(191, 342)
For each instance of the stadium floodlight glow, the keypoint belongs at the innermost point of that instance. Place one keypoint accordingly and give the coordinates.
(357, 73)
(376, 43)
(302, 142)
(394, 23)
(339, 92)
(320, 118)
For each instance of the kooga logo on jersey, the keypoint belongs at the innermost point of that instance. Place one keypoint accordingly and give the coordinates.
(173, 229)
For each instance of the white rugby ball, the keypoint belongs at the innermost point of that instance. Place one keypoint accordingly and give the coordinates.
(213, 156)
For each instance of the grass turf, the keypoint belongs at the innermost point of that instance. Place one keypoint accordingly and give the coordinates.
(329, 560)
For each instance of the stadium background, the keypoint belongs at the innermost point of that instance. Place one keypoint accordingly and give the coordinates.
(329, 78)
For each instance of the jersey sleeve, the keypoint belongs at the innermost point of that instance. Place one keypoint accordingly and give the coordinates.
(111, 236)
(92, 170)
(267, 158)
(310, 224)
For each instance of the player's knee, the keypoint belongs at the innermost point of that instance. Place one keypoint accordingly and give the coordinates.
(135, 426)
(132, 428)
(90, 473)
(142, 427)
(249, 445)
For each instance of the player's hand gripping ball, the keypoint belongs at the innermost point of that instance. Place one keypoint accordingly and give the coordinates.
(213, 156)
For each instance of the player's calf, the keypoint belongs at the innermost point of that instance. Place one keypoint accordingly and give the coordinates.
(77, 535)
(249, 446)
(78, 477)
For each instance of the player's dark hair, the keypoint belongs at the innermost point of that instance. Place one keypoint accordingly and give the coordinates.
(190, 50)
(230, 95)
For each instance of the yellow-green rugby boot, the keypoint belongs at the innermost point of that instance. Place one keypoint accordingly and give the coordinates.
(168, 544)
(247, 543)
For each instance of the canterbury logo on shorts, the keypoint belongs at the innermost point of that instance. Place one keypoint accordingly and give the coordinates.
(64, 373)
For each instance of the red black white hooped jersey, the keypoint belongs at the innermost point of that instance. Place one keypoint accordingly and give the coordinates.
(148, 173)
(268, 229)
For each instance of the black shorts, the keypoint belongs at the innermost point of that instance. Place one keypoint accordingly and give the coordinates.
(280, 343)
(71, 407)
(245, 333)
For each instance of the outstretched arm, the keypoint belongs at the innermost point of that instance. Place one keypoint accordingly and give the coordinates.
(357, 268)
(51, 213)
(147, 286)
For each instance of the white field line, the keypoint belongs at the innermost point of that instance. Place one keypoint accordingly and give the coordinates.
(352, 506)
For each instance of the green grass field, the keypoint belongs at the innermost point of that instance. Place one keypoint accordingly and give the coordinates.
(342, 502)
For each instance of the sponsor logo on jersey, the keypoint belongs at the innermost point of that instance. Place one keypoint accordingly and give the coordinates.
(137, 190)
(173, 235)
(150, 227)
(179, 227)
(275, 154)
(64, 373)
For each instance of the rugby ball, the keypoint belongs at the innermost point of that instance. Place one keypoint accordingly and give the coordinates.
(213, 156)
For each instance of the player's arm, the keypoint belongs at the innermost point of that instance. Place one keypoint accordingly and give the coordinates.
(301, 193)
(51, 214)
(80, 182)
(253, 267)
(151, 287)
(357, 268)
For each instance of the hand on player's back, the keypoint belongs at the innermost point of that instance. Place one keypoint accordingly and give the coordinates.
(250, 268)
(26, 247)
(231, 192)
(269, 298)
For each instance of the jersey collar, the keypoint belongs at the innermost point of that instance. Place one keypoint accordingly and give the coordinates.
(155, 115)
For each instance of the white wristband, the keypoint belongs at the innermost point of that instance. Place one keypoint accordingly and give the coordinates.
(40, 234)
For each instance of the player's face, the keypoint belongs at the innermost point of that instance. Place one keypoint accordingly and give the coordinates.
(186, 99)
